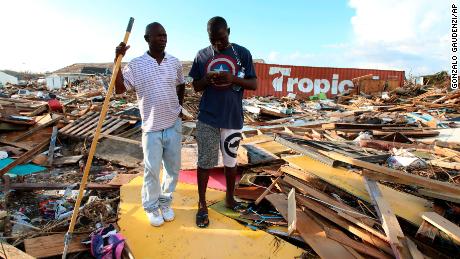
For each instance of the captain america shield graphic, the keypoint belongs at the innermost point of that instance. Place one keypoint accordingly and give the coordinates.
(222, 63)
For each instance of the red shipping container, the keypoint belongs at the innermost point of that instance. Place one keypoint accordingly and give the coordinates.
(280, 80)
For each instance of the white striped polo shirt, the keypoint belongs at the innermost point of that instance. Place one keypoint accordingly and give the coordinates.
(155, 86)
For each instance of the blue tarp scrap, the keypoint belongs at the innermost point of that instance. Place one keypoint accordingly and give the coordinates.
(425, 117)
(20, 170)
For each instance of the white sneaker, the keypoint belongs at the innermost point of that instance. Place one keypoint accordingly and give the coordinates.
(167, 212)
(155, 218)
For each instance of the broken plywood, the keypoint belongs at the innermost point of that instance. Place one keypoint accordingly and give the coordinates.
(8, 251)
(404, 205)
(311, 232)
(120, 152)
(53, 245)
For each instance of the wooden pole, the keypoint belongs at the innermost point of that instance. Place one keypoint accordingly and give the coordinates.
(92, 150)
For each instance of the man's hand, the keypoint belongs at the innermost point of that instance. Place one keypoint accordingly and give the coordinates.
(121, 49)
(211, 78)
(218, 79)
(224, 78)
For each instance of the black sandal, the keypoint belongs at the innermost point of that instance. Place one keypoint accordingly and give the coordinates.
(202, 219)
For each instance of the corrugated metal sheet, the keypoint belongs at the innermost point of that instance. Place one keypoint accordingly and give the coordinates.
(280, 80)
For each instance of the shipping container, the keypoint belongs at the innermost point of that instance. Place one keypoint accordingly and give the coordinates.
(280, 80)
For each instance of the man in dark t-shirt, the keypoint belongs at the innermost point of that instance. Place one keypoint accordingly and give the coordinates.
(222, 71)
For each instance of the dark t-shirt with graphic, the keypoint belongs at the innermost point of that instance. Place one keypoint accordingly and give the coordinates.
(221, 106)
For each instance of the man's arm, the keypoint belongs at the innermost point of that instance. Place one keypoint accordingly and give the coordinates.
(247, 84)
(199, 85)
(180, 93)
(120, 81)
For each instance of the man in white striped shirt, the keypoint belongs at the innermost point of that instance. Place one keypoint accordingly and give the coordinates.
(157, 79)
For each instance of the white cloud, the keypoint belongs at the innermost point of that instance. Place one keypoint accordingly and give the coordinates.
(412, 35)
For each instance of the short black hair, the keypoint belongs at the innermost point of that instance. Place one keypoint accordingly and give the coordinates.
(150, 26)
(216, 23)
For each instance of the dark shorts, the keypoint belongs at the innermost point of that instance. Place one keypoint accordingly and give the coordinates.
(210, 140)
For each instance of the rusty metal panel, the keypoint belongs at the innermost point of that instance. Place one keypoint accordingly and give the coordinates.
(280, 80)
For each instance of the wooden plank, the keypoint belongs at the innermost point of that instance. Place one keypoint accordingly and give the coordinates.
(421, 191)
(447, 152)
(67, 160)
(257, 154)
(332, 126)
(119, 152)
(409, 179)
(25, 157)
(121, 179)
(310, 231)
(415, 253)
(452, 230)
(390, 223)
(405, 205)
(449, 165)
(52, 145)
(340, 237)
(272, 113)
(37, 128)
(273, 147)
(256, 139)
(38, 111)
(440, 196)
(89, 131)
(40, 159)
(354, 253)
(332, 216)
(85, 127)
(307, 190)
(388, 145)
(127, 140)
(60, 186)
(115, 127)
(53, 245)
(361, 224)
(308, 151)
(334, 233)
(292, 212)
(87, 123)
(131, 132)
(17, 144)
(262, 196)
(72, 124)
(409, 133)
(8, 251)
(427, 232)
(107, 125)
(77, 123)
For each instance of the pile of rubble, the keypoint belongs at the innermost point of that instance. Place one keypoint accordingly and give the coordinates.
(355, 175)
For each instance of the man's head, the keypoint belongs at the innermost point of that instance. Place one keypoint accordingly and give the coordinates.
(218, 33)
(155, 36)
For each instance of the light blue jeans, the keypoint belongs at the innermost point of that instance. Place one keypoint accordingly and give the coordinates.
(158, 146)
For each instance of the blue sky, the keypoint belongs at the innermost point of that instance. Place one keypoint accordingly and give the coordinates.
(409, 35)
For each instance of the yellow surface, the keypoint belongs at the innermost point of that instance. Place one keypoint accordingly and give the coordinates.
(224, 238)
(403, 204)
(273, 147)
